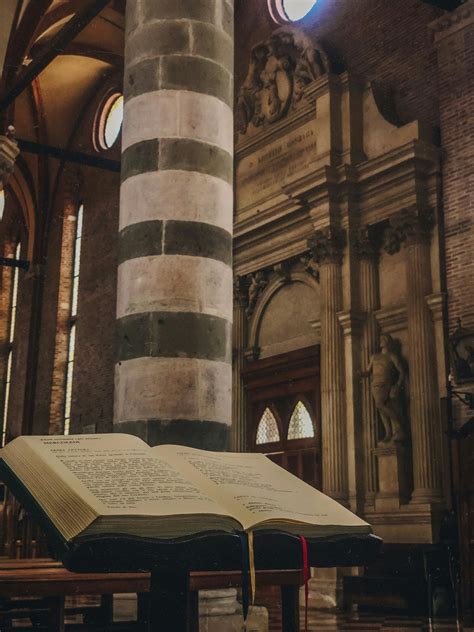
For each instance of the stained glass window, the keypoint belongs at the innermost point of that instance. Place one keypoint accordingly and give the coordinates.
(267, 431)
(301, 424)
(72, 332)
(11, 337)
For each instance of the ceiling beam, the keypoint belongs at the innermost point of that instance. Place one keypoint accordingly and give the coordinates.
(447, 5)
(56, 47)
(30, 147)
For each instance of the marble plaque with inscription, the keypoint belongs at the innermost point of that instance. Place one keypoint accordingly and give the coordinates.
(260, 175)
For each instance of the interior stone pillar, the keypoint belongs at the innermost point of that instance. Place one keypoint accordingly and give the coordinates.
(367, 252)
(239, 434)
(414, 228)
(174, 300)
(327, 248)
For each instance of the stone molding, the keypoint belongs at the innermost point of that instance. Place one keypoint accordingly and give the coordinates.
(327, 245)
(437, 304)
(351, 322)
(453, 22)
(392, 319)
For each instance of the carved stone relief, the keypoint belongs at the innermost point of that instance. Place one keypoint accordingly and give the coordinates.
(257, 283)
(279, 69)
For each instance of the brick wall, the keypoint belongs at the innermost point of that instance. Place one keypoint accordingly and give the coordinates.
(375, 39)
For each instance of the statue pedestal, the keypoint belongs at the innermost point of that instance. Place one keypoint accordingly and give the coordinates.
(395, 476)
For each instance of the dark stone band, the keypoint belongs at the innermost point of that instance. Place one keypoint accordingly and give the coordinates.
(181, 154)
(199, 433)
(173, 38)
(179, 72)
(193, 239)
(173, 335)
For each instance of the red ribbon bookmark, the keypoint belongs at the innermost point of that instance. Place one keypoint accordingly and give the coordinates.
(306, 576)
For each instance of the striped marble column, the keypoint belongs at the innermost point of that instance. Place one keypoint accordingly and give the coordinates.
(174, 302)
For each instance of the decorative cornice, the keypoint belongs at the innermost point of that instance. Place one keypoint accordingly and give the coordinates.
(327, 245)
(453, 22)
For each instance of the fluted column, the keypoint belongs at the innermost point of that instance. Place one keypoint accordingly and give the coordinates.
(414, 227)
(174, 299)
(239, 429)
(327, 248)
(366, 250)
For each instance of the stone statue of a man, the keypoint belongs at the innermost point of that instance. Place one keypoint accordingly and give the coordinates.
(387, 377)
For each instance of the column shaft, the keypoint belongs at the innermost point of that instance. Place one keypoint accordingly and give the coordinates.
(174, 301)
(370, 337)
(332, 383)
(424, 397)
(238, 394)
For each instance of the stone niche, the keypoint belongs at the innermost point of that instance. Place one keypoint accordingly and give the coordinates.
(320, 153)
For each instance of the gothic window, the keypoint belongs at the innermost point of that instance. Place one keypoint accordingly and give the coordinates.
(2, 203)
(10, 339)
(290, 10)
(267, 430)
(301, 424)
(73, 317)
(108, 122)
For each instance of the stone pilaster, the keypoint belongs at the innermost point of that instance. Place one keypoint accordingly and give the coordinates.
(72, 187)
(366, 249)
(174, 301)
(413, 228)
(327, 247)
(239, 435)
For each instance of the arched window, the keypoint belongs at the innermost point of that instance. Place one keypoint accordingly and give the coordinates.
(267, 430)
(301, 424)
(73, 318)
(108, 122)
(2, 203)
(290, 10)
(11, 337)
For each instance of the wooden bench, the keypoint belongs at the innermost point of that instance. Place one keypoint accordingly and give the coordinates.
(49, 583)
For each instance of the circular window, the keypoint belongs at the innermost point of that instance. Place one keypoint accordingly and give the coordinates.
(290, 10)
(2, 202)
(109, 121)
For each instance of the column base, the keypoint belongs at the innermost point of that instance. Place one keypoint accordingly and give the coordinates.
(219, 610)
(205, 435)
(325, 589)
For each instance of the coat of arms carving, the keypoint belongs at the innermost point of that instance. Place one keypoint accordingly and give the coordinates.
(280, 68)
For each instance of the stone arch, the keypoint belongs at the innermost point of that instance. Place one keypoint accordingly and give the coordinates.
(301, 284)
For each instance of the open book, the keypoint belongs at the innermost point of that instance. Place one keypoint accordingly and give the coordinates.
(95, 485)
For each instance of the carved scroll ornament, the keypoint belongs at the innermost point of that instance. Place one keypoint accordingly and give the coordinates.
(280, 68)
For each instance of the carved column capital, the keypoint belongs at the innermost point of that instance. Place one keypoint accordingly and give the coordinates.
(409, 226)
(327, 245)
(9, 151)
(257, 282)
(366, 243)
(241, 291)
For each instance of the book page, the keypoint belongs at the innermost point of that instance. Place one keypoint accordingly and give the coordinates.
(254, 489)
(118, 475)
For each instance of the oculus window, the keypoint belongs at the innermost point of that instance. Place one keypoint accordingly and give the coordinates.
(108, 122)
(290, 10)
